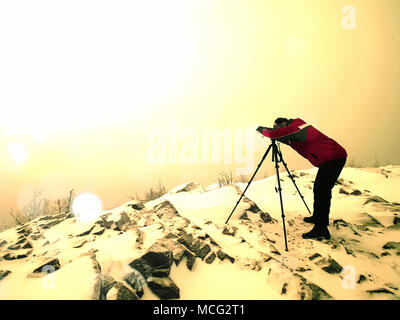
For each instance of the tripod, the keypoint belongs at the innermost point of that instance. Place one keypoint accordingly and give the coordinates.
(277, 158)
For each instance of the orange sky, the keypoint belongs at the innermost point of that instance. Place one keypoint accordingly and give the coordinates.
(93, 90)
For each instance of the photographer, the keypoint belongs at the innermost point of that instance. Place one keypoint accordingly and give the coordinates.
(324, 153)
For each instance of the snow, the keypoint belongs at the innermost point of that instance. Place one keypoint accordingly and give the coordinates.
(352, 265)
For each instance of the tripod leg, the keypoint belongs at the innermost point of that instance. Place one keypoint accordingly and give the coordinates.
(248, 184)
(291, 177)
(275, 157)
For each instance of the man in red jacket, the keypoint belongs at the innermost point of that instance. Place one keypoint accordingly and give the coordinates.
(322, 152)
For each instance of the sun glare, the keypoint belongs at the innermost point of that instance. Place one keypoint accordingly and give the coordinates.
(86, 207)
(17, 152)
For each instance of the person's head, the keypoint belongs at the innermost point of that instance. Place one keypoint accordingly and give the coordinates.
(281, 122)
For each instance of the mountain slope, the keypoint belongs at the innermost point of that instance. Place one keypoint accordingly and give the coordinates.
(178, 246)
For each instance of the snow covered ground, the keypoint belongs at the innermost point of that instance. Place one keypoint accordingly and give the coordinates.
(178, 246)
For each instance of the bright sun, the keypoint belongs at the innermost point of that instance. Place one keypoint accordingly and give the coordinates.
(86, 207)
(17, 152)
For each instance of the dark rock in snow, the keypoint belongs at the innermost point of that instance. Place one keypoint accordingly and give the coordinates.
(3, 243)
(164, 288)
(137, 206)
(314, 256)
(265, 217)
(204, 251)
(392, 245)
(52, 265)
(375, 199)
(136, 282)
(156, 259)
(222, 256)
(122, 222)
(380, 290)
(210, 259)
(330, 266)
(190, 259)
(4, 273)
(10, 256)
(120, 292)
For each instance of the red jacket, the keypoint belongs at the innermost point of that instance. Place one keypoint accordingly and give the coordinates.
(308, 142)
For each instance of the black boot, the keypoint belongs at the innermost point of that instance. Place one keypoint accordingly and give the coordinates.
(318, 232)
(309, 219)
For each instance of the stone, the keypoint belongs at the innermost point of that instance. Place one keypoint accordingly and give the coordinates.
(229, 231)
(203, 252)
(137, 206)
(120, 292)
(122, 222)
(10, 256)
(265, 217)
(330, 266)
(222, 256)
(53, 265)
(27, 245)
(375, 199)
(190, 259)
(86, 232)
(4, 273)
(380, 290)
(3, 243)
(136, 282)
(210, 259)
(164, 288)
(157, 258)
(392, 245)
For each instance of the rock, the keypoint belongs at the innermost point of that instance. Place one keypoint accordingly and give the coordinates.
(14, 247)
(355, 192)
(203, 252)
(330, 266)
(164, 288)
(4, 273)
(210, 259)
(379, 290)
(35, 237)
(253, 206)
(190, 260)
(80, 244)
(265, 217)
(222, 256)
(50, 224)
(122, 222)
(190, 242)
(392, 245)
(244, 216)
(27, 245)
(10, 256)
(3, 243)
(396, 220)
(166, 210)
(361, 278)
(137, 206)
(375, 199)
(98, 230)
(85, 233)
(120, 292)
(49, 265)
(272, 249)
(229, 231)
(156, 259)
(136, 282)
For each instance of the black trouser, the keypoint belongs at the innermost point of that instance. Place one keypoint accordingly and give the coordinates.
(327, 175)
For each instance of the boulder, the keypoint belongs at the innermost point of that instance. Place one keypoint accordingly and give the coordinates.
(156, 259)
(392, 245)
(49, 265)
(164, 288)
(120, 292)
(210, 259)
(137, 206)
(122, 222)
(4, 273)
(136, 282)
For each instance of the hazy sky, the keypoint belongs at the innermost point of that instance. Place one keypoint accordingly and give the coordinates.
(111, 97)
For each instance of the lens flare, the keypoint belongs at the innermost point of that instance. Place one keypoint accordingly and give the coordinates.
(17, 152)
(86, 207)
